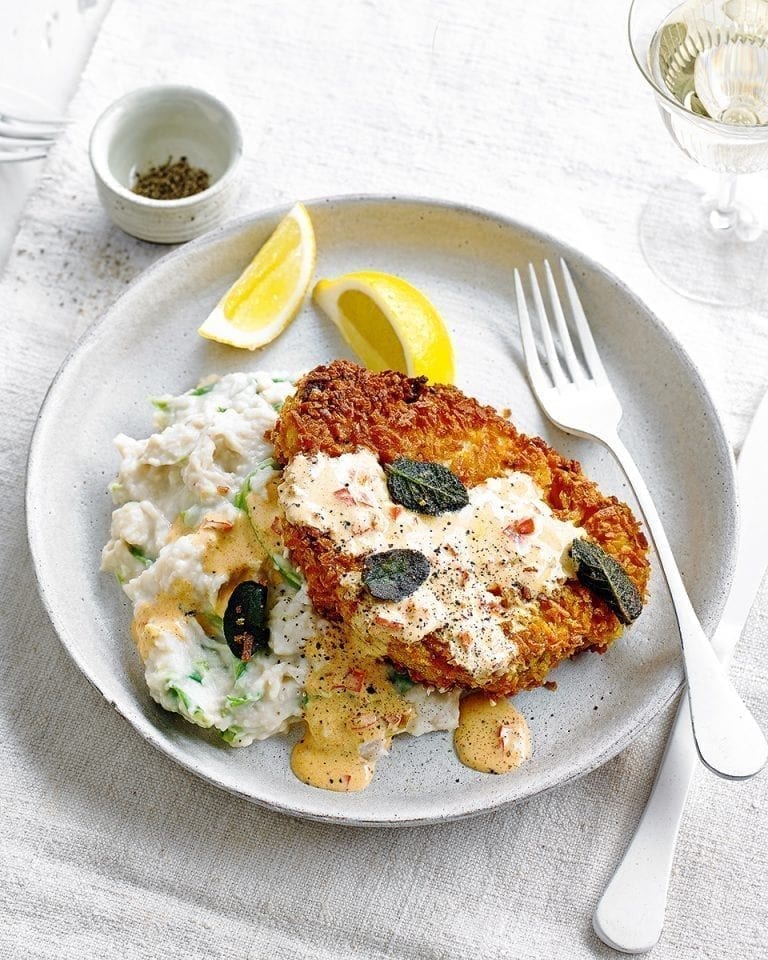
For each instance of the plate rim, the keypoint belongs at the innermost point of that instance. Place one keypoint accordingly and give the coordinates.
(463, 810)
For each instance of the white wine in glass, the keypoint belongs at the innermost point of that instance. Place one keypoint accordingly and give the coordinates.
(708, 65)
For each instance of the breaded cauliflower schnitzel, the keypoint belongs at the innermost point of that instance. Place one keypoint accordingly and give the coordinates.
(364, 421)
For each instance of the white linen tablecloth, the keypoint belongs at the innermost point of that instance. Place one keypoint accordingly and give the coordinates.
(108, 849)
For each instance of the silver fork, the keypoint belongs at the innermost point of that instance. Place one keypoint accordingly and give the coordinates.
(23, 138)
(580, 400)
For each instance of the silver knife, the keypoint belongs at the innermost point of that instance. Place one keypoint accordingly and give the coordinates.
(630, 914)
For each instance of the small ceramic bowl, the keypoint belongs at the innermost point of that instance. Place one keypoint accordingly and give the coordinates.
(143, 129)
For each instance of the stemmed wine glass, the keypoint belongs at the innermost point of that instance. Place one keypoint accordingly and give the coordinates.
(707, 63)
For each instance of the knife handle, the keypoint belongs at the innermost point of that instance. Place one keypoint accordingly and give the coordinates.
(630, 914)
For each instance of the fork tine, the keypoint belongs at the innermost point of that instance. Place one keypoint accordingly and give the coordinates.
(553, 361)
(31, 134)
(536, 373)
(594, 363)
(20, 156)
(15, 118)
(574, 367)
(23, 143)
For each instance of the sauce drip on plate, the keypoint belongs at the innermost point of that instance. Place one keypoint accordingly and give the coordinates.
(353, 709)
(492, 736)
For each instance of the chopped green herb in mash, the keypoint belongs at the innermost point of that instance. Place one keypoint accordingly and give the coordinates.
(240, 667)
(291, 576)
(241, 497)
(139, 554)
(239, 701)
(178, 692)
(231, 734)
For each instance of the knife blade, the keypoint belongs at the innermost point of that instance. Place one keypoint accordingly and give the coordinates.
(630, 914)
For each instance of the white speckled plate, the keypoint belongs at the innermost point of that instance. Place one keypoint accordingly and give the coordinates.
(462, 259)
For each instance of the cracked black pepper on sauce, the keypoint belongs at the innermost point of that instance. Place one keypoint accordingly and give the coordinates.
(171, 180)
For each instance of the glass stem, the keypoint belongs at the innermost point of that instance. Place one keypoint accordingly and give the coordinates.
(724, 214)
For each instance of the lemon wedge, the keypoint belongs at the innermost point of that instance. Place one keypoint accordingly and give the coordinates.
(268, 294)
(388, 323)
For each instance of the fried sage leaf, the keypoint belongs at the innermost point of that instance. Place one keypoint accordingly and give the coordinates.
(425, 487)
(245, 620)
(394, 574)
(606, 577)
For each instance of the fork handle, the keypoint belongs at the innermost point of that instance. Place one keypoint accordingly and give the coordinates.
(727, 737)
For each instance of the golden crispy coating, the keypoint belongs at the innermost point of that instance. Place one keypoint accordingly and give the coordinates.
(341, 407)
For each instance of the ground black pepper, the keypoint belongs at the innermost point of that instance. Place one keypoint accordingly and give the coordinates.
(171, 180)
